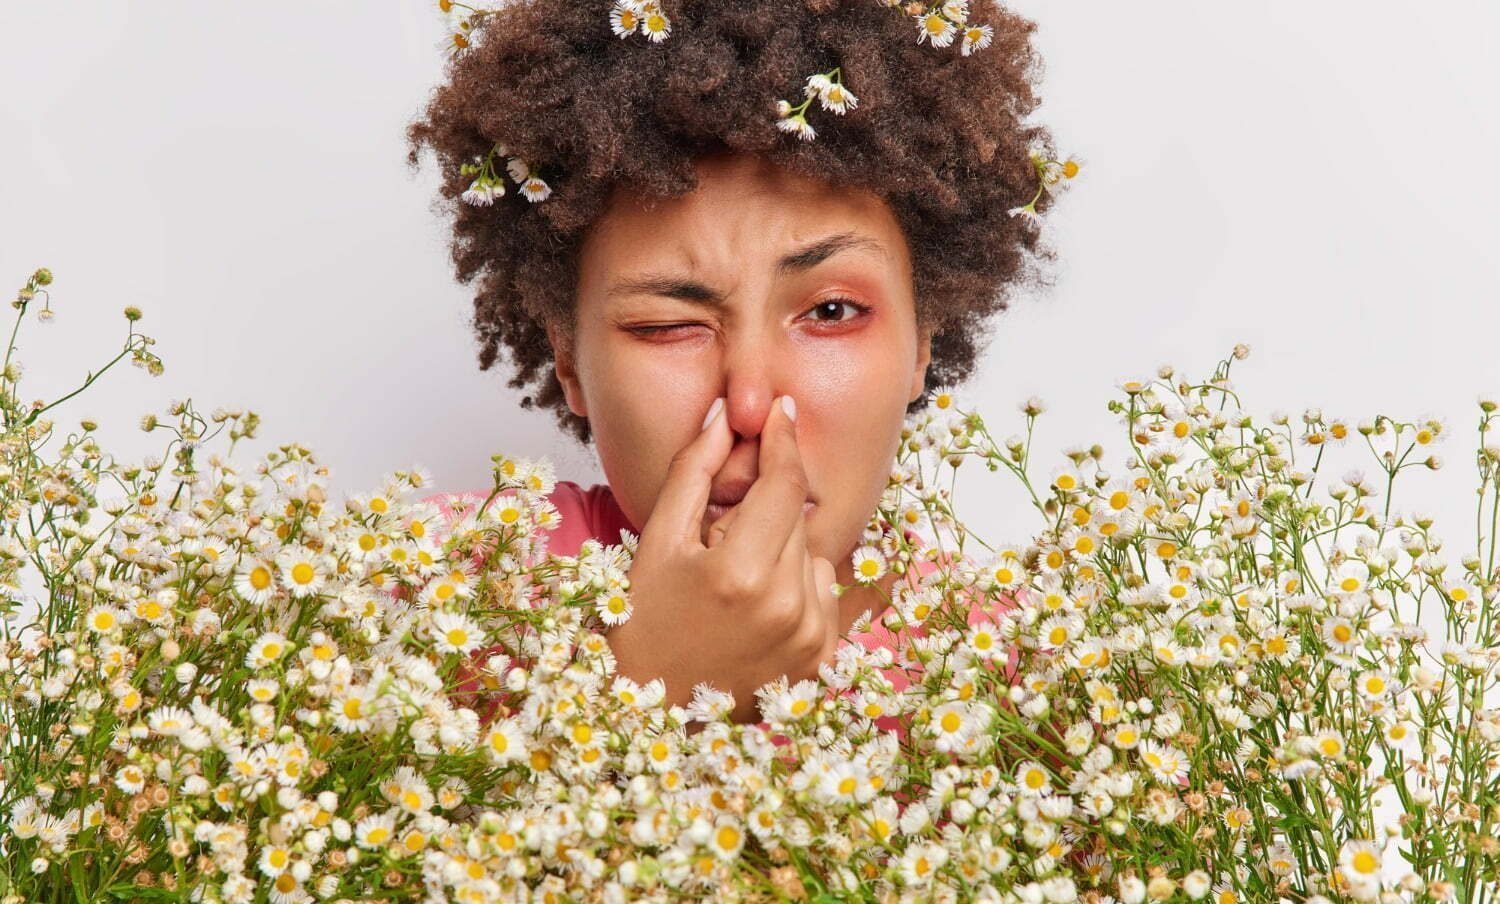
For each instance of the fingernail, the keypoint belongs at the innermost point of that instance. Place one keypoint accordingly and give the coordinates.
(713, 410)
(789, 406)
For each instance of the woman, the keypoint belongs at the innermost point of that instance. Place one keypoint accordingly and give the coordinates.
(739, 320)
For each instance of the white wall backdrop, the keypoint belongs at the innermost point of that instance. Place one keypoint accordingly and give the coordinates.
(1315, 179)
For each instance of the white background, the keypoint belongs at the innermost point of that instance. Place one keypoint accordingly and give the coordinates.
(1316, 180)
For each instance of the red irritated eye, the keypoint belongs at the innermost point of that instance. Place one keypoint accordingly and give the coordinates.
(832, 305)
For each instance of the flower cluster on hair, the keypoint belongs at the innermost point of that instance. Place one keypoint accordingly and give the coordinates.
(940, 25)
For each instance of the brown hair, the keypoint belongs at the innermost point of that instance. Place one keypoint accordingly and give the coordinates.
(937, 135)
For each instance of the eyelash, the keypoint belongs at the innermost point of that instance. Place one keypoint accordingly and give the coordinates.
(860, 311)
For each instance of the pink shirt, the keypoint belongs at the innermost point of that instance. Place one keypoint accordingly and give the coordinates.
(593, 513)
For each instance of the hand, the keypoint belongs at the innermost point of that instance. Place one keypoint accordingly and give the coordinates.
(748, 606)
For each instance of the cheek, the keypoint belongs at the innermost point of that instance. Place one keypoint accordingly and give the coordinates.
(856, 405)
(636, 432)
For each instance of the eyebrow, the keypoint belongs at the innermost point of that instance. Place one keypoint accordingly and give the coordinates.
(798, 261)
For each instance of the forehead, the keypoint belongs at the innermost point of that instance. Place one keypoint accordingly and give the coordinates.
(744, 214)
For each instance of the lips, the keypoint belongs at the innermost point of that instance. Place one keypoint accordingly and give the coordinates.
(726, 494)
(729, 492)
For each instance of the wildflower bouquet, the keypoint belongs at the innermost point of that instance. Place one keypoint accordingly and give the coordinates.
(1184, 687)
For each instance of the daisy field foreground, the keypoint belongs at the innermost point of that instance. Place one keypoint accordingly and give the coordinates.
(1216, 675)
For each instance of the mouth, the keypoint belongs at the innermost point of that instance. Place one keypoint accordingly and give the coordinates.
(716, 510)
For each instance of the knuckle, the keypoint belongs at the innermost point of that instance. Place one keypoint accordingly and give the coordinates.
(741, 584)
(784, 619)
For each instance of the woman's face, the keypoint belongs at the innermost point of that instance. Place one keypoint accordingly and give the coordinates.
(756, 285)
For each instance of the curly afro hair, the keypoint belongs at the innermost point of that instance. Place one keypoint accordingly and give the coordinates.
(937, 135)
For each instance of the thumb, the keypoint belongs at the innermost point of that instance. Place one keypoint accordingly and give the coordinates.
(718, 529)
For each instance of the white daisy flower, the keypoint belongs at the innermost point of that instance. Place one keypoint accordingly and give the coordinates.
(791, 704)
(482, 192)
(661, 754)
(1059, 630)
(274, 859)
(452, 793)
(953, 723)
(536, 190)
(376, 830)
(352, 709)
(933, 27)
(625, 17)
(1168, 765)
(838, 99)
(1329, 744)
(976, 37)
(869, 564)
(613, 606)
(797, 125)
(103, 619)
(1032, 779)
(262, 690)
(1167, 651)
(984, 641)
(708, 703)
(1374, 685)
(1350, 578)
(728, 838)
(1341, 634)
(267, 649)
(845, 783)
(303, 571)
(408, 790)
(1360, 862)
(655, 25)
(816, 84)
(455, 633)
(169, 721)
(1067, 479)
(1398, 732)
(956, 10)
(921, 861)
(1125, 736)
(255, 582)
(505, 743)
(131, 779)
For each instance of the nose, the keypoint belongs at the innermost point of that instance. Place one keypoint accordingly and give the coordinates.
(756, 370)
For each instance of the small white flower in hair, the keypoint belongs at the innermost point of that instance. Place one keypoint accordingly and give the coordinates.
(817, 84)
(798, 126)
(976, 37)
(625, 17)
(933, 27)
(536, 190)
(838, 99)
(655, 24)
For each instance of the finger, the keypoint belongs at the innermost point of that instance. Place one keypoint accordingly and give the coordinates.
(773, 505)
(717, 530)
(793, 553)
(822, 623)
(823, 578)
(678, 513)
